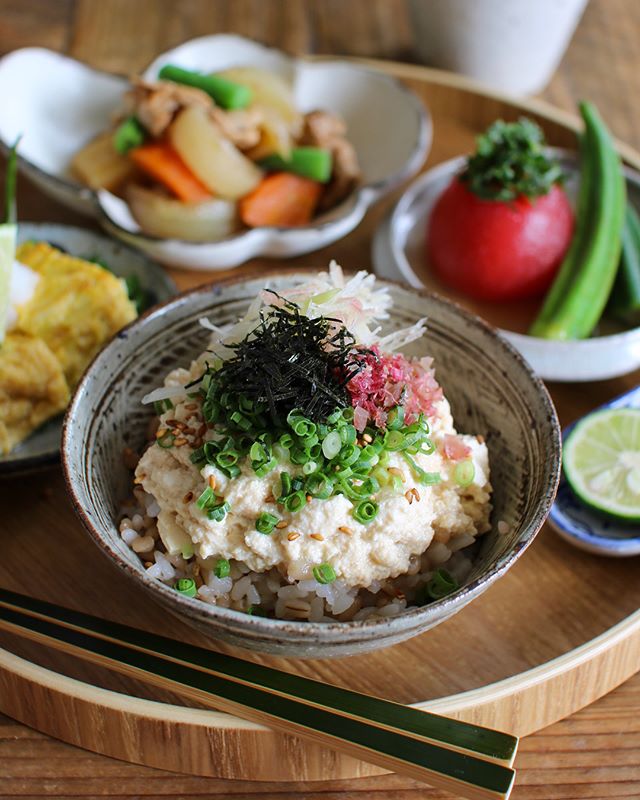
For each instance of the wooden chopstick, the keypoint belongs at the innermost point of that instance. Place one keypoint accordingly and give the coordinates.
(391, 735)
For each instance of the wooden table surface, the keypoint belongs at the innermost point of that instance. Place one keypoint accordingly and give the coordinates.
(596, 752)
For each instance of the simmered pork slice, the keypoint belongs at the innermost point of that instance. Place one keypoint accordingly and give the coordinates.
(155, 103)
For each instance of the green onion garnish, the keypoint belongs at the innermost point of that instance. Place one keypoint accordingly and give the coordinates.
(227, 458)
(395, 418)
(207, 499)
(349, 454)
(464, 473)
(186, 586)
(266, 522)
(332, 445)
(222, 568)
(285, 484)
(160, 406)
(324, 573)
(294, 502)
(218, 512)
(286, 440)
(166, 441)
(442, 584)
(426, 478)
(365, 511)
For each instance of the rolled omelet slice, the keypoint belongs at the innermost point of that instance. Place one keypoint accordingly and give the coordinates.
(32, 388)
(76, 307)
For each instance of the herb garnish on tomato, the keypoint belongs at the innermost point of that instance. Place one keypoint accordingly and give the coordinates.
(500, 229)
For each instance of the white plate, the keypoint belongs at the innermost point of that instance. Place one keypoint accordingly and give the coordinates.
(387, 124)
(42, 448)
(399, 242)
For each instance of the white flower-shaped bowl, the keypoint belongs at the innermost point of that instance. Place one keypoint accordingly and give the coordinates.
(388, 125)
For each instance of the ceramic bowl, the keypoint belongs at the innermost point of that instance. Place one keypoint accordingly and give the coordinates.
(398, 252)
(585, 528)
(42, 448)
(387, 124)
(491, 389)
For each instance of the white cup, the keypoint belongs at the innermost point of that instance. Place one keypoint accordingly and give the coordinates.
(511, 45)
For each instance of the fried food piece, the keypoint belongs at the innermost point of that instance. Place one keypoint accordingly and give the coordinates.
(76, 307)
(32, 388)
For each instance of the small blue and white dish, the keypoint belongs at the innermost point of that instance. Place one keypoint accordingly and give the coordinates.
(585, 528)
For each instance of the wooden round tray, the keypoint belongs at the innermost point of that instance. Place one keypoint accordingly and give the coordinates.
(557, 632)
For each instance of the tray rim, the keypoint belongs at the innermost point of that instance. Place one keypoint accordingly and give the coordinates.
(618, 647)
(474, 705)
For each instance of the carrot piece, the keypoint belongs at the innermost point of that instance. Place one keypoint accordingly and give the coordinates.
(163, 163)
(281, 199)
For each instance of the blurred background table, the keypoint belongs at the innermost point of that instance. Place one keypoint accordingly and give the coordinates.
(596, 752)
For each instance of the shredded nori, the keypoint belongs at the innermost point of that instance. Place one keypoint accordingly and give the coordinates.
(290, 361)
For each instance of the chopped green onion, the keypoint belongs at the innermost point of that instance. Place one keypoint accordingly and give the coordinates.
(128, 134)
(349, 454)
(298, 456)
(160, 406)
(464, 473)
(319, 486)
(395, 418)
(426, 478)
(227, 458)
(266, 522)
(186, 586)
(258, 452)
(285, 484)
(393, 440)
(442, 584)
(222, 568)
(226, 94)
(241, 421)
(324, 573)
(166, 441)
(315, 451)
(365, 511)
(331, 445)
(207, 499)
(294, 502)
(287, 441)
(309, 467)
(348, 434)
(265, 468)
(368, 456)
(219, 512)
(256, 611)
(198, 457)
(303, 427)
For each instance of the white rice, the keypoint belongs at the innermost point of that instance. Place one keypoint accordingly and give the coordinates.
(271, 594)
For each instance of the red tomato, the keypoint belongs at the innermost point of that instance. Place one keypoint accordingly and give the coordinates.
(496, 250)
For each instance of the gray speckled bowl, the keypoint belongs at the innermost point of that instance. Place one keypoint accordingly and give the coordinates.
(491, 389)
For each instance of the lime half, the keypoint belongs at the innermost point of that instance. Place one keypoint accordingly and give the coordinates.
(601, 461)
(7, 254)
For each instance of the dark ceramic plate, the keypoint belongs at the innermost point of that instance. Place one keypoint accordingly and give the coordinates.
(42, 448)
